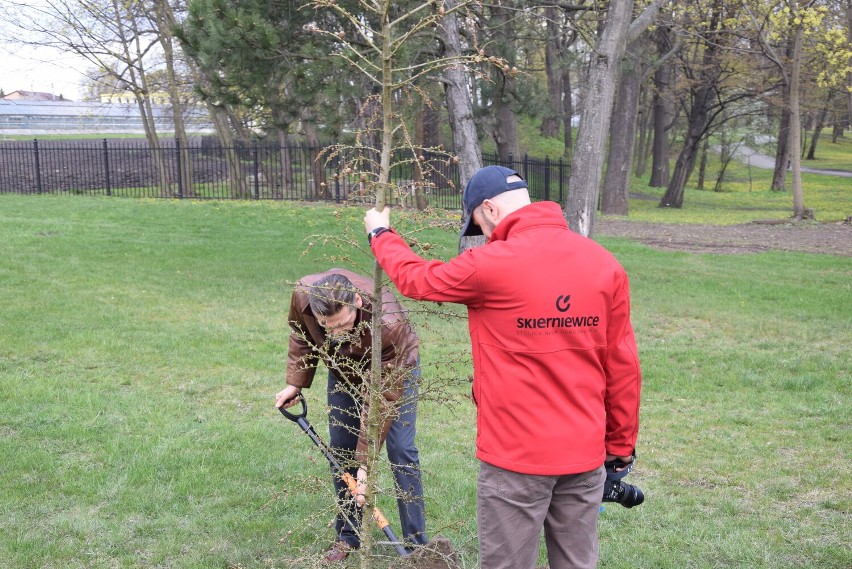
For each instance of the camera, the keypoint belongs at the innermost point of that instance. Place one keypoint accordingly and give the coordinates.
(617, 491)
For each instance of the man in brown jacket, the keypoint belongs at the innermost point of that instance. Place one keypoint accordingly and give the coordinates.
(330, 316)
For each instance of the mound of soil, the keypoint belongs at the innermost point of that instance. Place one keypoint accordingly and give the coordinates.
(437, 554)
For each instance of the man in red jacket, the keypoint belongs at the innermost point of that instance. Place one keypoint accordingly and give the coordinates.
(556, 368)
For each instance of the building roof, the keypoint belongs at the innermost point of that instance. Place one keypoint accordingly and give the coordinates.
(31, 96)
(74, 109)
(32, 117)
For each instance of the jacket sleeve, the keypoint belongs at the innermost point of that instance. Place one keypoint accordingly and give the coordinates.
(421, 279)
(623, 374)
(301, 355)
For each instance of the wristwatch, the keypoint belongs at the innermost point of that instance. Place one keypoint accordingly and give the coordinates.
(375, 232)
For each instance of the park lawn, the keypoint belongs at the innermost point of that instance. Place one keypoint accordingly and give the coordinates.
(142, 341)
(744, 197)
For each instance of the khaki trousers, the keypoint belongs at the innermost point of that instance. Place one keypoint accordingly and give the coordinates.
(512, 509)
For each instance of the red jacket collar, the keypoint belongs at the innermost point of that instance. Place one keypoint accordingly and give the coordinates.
(534, 215)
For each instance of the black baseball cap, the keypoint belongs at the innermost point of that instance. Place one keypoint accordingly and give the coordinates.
(485, 184)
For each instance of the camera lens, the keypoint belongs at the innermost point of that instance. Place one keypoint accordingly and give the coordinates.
(630, 495)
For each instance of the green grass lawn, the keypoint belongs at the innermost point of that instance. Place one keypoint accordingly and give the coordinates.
(142, 342)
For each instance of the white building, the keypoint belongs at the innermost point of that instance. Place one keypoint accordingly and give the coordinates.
(29, 117)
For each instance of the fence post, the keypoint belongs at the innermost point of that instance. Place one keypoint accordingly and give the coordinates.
(256, 169)
(179, 168)
(106, 169)
(547, 178)
(561, 180)
(37, 166)
(526, 168)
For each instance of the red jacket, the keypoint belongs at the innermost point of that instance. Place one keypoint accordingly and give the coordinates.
(556, 369)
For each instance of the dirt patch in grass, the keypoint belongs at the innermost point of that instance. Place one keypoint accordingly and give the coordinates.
(805, 237)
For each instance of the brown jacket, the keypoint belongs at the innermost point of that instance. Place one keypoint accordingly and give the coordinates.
(352, 360)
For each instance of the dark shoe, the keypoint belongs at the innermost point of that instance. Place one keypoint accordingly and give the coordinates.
(338, 552)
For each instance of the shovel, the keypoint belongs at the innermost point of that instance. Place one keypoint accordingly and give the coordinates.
(301, 420)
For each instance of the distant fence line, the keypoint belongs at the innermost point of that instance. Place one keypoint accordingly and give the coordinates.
(128, 168)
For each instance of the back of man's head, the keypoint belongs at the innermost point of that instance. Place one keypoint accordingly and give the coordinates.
(492, 182)
(330, 294)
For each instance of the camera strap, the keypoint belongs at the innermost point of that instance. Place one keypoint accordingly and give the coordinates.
(613, 474)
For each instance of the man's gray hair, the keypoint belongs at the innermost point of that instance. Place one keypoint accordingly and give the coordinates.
(330, 294)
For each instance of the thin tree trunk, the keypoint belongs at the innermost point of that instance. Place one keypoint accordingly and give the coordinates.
(166, 20)
(236, 180)
(642, 126)
(567, 111)
(139, 84)
(795, 125)
(782, 151)
(820, 123)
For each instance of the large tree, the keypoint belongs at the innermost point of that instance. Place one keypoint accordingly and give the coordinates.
(718, 73)
(587, 164)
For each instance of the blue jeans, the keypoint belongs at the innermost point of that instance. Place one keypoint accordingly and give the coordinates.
(343, 426)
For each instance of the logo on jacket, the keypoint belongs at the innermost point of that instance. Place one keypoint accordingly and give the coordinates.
(563, 305)
(561, 324)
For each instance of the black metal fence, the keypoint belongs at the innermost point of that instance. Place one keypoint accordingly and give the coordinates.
(205, 170)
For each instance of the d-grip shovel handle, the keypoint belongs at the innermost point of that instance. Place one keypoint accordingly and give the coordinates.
(293, 416)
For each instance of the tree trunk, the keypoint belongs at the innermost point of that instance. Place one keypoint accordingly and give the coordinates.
(848, 121)
(236, 180)
(688, 155)
(782, 151)
(836, 131)
(661, 117)
(419, 144)
(820, 123)
(795, 125)
(505, 132)
(551, 120)
(166, 21)
(702, 164)
(642, 126)
(567, 111)
(320, 185)
(459, 106)
(622, 136)
(460, 109)
(703, 100)
(219, 116)
(584, 184)
(141, 92)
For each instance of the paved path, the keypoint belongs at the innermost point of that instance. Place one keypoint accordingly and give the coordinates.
(752, 158)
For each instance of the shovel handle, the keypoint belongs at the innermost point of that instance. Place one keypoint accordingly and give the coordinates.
(351, 483)
(294, 416)
(378, 516)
